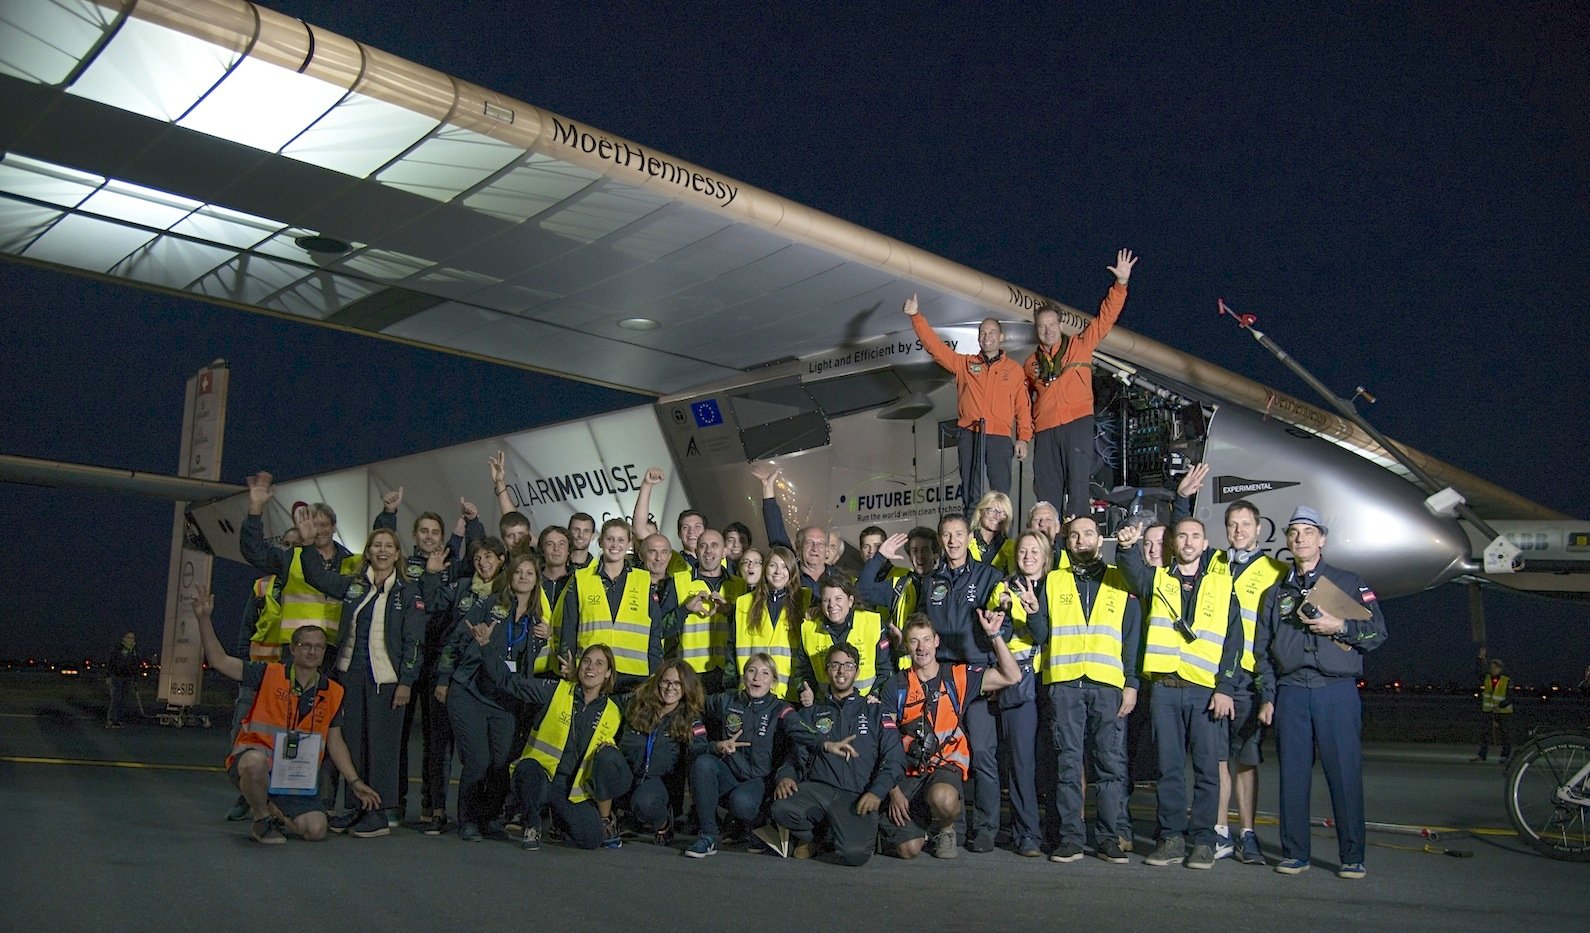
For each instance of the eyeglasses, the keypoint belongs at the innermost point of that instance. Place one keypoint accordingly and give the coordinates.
(319, 647)
(671, 685)
(841, 665)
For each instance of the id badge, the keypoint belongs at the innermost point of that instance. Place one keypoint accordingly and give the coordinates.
(295, 766)
(513, 666)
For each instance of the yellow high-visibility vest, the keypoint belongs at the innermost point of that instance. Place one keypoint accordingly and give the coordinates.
(866, 630)
(1492, 695)
(1256, 580)
(628, 632)
(1166, 652)
(775, 639)
(1085, 647)
(545, 745)
(301, 604)
(704, 639)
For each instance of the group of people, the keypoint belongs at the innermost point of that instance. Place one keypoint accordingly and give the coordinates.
(603, 676)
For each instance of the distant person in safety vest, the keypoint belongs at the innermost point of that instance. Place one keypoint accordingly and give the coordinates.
(1496, 704)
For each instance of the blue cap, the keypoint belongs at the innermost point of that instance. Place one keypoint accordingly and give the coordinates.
(1308, 515)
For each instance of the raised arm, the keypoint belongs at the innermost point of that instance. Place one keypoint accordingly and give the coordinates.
(387, 517)
(251, 538)
(640, 519)
(1110, 307)
(214, 653)
(1007, 672)
(1129, 559)
(323, 578)
(931, 341)
(772, 518)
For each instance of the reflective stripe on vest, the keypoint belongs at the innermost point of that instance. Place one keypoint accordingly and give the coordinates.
(866, 631)
(1256, 579)
(275, 711)
(954, 747)
(302, 604)
(704, 640)
(775, 639)
(1081, 647)
(628, 635)
(1166, 652)
(546, 744)
(1493, 693)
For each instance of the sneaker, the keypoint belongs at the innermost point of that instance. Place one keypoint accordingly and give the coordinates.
(1352, 871)
(1292, 866)
(702, 847)
(531, 840)
(1170, 851)
(513, 825)
(1249, 853)
(374, 824)
(1223, 846)
(775, 837)
(944, 844)
(980, 843)
(469, 832)
(611, 837)
(1126, 844)
(1110, 851)
(436, 825)
(239, 811)
(393, 821)
(266, 832)
(755, 844)
(805, 850)
(1066, 852)
(1202, 858)
(345, 822)
(1027, 847)
(664, 836)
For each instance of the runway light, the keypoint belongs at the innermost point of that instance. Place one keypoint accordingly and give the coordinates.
(69, 672)
(638, 323)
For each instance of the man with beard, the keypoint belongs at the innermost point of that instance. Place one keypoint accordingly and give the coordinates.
(1090, 624)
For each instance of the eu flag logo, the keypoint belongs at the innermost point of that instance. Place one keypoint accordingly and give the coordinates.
(707, 413)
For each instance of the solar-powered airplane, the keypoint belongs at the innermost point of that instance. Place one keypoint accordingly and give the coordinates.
(217, 150)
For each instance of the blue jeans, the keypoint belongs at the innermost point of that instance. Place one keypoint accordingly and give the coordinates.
(711, 781)
(1018, 743)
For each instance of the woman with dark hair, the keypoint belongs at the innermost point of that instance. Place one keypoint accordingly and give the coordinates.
(836, 619)
(570, 762)
(662, 733)
(483, 715)
(768, 618)
(378, 661)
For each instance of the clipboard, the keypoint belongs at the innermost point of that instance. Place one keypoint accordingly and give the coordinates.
(1333, 599)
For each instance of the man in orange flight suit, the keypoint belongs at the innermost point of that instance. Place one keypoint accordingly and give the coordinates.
(1060, 376)
(991, 401)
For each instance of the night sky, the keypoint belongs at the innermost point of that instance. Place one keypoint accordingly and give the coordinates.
(1400, 192)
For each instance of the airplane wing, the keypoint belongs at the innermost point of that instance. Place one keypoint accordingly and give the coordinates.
(218, 150)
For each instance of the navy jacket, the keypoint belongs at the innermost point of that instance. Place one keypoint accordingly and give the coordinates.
(1286, 652)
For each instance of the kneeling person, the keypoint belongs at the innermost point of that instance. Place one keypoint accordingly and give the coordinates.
(295, 708)
(928, 702)
(844, 782)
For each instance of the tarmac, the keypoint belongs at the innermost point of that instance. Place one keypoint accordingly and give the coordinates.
(123, 830)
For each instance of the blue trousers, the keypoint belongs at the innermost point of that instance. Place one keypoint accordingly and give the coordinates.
(1182, 724)
(982, 792)
(1330, 719)
(649, 804)
(484, 735)
(610, 774)
(1018, 743)
(711, 781)
(1085, 712)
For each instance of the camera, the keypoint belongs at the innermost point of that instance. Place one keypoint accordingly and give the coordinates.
(1308, 611)
(923, 742)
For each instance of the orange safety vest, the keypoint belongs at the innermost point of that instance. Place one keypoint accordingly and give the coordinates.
(275, 711)
(954, 747)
